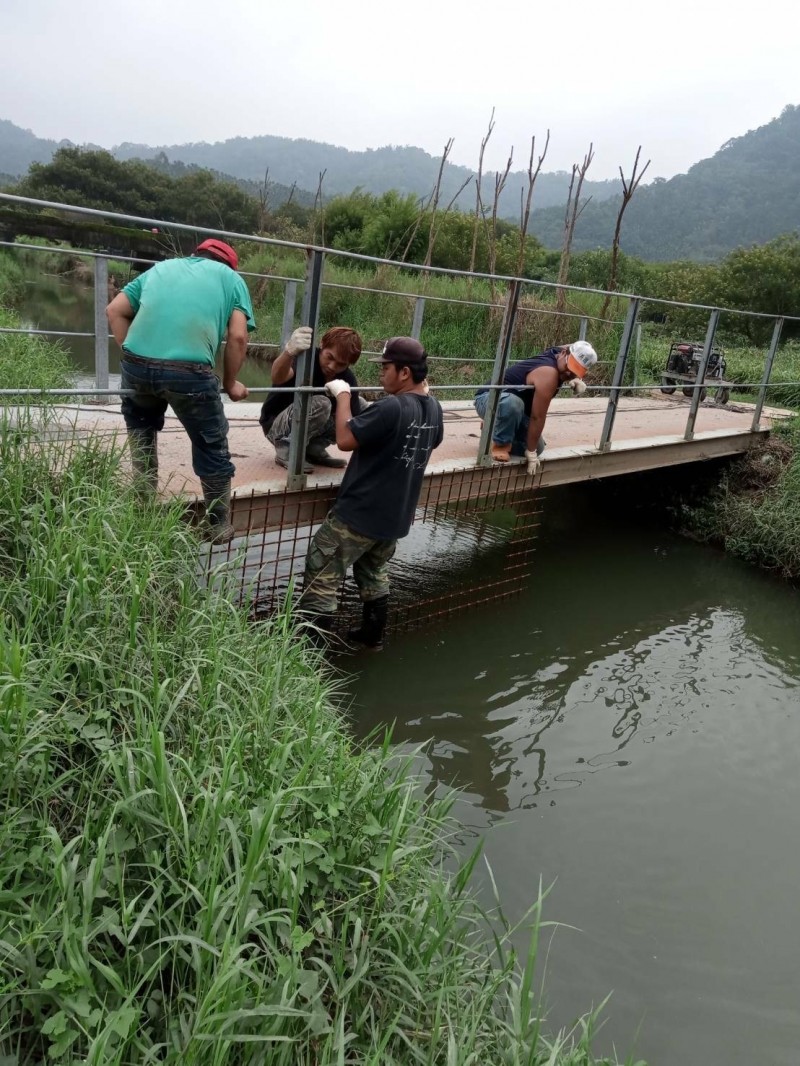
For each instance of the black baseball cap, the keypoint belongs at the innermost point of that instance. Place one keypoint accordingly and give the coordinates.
(403, 350)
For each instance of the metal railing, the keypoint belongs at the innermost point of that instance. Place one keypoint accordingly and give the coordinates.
(313, 285)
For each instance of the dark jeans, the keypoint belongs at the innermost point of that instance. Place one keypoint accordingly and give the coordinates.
(510, 422)
(193, 394)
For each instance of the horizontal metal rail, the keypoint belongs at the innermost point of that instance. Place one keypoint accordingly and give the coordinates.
(257, 390)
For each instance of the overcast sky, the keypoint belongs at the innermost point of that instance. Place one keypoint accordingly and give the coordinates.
(679, 78)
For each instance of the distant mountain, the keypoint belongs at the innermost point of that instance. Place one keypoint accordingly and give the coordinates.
(19, 148)
(407, 169)
(300, 162)
(746, 193)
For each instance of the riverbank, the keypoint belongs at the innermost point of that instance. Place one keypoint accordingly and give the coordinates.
(753, 511)
(197, 861)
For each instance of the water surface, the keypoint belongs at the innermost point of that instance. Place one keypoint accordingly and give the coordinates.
(629, 729)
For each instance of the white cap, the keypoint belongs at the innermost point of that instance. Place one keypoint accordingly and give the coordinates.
(581, 356)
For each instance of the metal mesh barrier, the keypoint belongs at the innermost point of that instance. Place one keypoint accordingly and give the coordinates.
(472, 542)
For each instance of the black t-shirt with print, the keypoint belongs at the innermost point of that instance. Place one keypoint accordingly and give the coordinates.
(382, 483)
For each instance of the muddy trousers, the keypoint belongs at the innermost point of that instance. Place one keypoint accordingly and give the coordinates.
(334, 548)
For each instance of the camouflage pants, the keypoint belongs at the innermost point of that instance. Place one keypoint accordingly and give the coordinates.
(321, 427)
(333, 549)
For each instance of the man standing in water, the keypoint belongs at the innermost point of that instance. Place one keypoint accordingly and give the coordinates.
(391, 444)
(170, 322)
(522, 412)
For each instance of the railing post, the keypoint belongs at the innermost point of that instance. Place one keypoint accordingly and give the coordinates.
(304, 370)
(416, 322)
(582, 331)
(619, 373)
(100, 323)
(499, 370)
(762, 392)
(289, 304)
(713, 321)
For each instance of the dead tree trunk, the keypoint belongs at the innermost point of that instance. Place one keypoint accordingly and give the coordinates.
(318, 212)
(263, 203)
(479, 213)
(629, 187)
(573, 212)
(434, 203)
(525, 211)
(499, 184)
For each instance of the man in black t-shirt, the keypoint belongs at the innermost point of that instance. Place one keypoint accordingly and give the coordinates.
(391, 444)
(339, 349)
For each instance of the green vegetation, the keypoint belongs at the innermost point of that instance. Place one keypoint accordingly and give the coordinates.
(745, 193)
(26, 362)
(96, 179)
(754, 511)
(196, 863)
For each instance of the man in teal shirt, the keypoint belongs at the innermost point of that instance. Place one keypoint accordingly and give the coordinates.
(170, 322)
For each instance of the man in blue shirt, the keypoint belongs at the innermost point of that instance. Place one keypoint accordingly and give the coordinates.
(170, 322)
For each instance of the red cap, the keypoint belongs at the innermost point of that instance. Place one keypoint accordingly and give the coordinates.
(220, 250)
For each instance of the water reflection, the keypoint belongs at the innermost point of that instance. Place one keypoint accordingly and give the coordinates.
(628, 730)
(536, 695)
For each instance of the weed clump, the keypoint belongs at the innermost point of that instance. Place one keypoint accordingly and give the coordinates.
(754, 512)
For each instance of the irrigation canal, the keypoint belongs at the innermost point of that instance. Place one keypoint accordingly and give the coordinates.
(628, 728)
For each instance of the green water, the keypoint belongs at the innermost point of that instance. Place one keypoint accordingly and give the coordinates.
(55, 302)
(628, 730)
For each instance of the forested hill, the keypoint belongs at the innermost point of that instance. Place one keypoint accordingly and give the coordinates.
(747, 193)
(406, 169)
(300, 162)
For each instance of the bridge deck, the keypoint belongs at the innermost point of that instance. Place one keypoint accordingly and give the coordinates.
(648, 433)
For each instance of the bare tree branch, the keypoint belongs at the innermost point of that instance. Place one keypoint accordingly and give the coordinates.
(263, 202)
(434, 202)
(629, 187)
(525, 213)
(318, 212)
(478, 201)
(499, 184)
(571, 216)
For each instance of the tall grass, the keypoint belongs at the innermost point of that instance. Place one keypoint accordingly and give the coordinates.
(196, 864)
(460, 334)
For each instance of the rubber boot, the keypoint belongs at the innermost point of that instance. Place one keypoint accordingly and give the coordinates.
(317, 453)
(374, 614)
(143, 446)
(282, 457)
(217, 496)
(320, 631)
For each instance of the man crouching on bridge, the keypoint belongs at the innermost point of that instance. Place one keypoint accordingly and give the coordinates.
(391, 443)
(522, 412)
(338, 350)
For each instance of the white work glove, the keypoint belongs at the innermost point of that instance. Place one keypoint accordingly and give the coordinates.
(534, 463)
(300, 340)
(577, 386)
(336, 387)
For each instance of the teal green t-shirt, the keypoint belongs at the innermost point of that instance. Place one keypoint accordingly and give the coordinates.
(182, 308)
